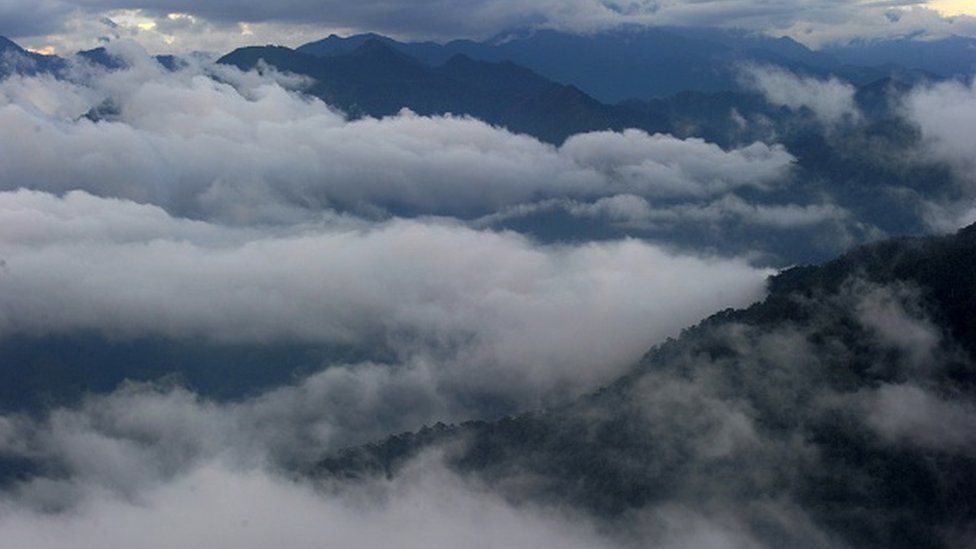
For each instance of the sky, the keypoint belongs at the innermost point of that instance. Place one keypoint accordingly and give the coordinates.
(65, 26)
(954, 7)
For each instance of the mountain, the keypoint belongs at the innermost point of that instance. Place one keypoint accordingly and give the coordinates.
(610, 66)
(837, 412)
(948, 57)
(7, 44)
(377, 79)
(16, 60)
(648, 62)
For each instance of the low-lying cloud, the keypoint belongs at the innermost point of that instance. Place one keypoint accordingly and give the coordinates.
(509, 312)
(726, 436)
(216, 505)
(830, 100)
(945, 114)
(256, 152)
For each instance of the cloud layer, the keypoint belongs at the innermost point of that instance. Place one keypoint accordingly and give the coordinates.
(945, 114)
(495, 302)
(216, 505)
(254, 151)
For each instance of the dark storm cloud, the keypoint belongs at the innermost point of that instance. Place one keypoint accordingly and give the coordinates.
(812, 21)
(20, 18)
(443, 18)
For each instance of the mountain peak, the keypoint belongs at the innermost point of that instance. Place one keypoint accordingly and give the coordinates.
(379, 51)
(8, 44)
(339, 45)
(375, 46)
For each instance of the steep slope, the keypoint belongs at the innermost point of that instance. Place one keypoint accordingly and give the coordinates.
(837, 412)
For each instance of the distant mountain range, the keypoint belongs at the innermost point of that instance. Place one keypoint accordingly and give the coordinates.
(644, 63)
(376, 79)
(653, 62)
(375, 76)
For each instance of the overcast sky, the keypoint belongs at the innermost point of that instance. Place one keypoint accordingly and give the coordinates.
(60, 26)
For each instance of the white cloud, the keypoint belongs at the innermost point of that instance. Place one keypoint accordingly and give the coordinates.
(945, 113)
(628, 210)
(912, 415)
(257, 152)
(660, 165)
(546, 316)
(218, 506)
(831, 100)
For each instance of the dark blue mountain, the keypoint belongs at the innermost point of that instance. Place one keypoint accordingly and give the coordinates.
(612, 67)
(16, 60)
(643, 62)
(954, 56)
(377, 79)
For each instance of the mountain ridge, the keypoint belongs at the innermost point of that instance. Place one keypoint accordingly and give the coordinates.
(624, 448)
(650, 62)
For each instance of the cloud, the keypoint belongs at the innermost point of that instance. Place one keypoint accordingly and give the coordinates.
(839, 23)
(750, 427)
(724, 426)
(215, 505)
(660, 165)
(496, 302)
(727, 222)
(945, 114)
(202, 147)
(19, 18)
(224, 24)
(636, 211)
(911, 415)
(830, 100)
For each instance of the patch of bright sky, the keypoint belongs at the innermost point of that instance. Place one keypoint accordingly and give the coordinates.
(954, 7)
